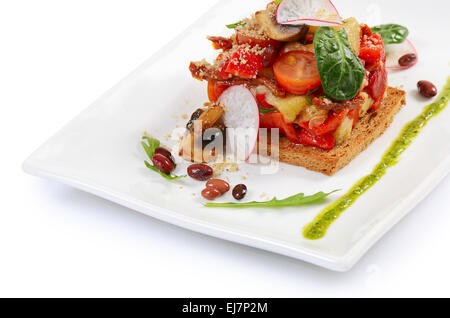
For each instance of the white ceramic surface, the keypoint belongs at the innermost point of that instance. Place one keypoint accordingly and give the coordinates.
(99, 150)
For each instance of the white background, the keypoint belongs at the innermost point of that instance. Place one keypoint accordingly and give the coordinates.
(56, 57)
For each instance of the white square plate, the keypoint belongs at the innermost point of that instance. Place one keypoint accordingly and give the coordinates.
(99, 151)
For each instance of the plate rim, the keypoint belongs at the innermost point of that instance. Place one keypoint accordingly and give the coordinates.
(339, 264)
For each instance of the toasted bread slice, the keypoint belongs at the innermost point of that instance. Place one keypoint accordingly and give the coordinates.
(369, 128)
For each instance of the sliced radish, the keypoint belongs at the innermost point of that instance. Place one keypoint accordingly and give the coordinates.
(395, 51)
(310, 12)
(242, 116)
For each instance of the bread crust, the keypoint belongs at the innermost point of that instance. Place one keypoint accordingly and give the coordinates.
(367, 130)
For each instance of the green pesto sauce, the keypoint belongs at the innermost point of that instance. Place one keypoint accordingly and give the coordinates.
(319, 226)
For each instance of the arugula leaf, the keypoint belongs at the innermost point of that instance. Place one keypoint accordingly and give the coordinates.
(295, 200)
(150, 144)
(165, 175)
(277, 2)
(392, 33)
(235, 25)
(308, 98)
(263, 110)
(341, 71)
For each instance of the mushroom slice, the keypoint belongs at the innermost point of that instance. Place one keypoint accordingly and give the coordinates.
(211, 116)
(277, 31)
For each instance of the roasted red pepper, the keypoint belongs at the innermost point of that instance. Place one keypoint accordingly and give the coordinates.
(306, 137)
(276, 120)
(377, 85)
(215, 90)
(372, 47)
(261, 98)
(325, 142)
(221, 43)
(354, 114)
(244, 63)
(330, 125)
(373, 53)
(221, 72)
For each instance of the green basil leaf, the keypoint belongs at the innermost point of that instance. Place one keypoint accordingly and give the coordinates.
(295, 200)
(341, 71)
(391, 33)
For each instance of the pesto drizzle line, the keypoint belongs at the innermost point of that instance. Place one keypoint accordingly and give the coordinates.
(319, 226)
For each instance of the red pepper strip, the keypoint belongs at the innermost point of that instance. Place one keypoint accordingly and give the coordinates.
(354, 114)
(261, 98)
(306, 137)
(221, 72)
(245, 64)
(377, 85)
(330, 125)
(325, 142)
(372, 49)
(215, 90)
(221, 43)
(366, 30)
(276, 120)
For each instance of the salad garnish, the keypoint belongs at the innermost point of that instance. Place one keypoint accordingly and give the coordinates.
(314, 13)
(341, 71)
(150, 145)
(235, 25)
(400, 52)
(263, 110)
(392, 33)
(292, 201)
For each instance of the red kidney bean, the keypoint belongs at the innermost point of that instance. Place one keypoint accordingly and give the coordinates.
(220, 185)
(166, 153)
(408, 59)
(239, 191)
(162, 163)
(200, 172)
(211, 193)
(427, 89)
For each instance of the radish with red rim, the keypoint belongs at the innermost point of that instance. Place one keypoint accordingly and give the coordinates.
(241, 115)
(395, 52)
(310, 12)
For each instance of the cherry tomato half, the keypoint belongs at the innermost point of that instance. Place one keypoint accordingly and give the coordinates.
(297, 72)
